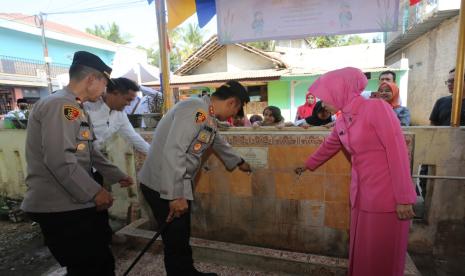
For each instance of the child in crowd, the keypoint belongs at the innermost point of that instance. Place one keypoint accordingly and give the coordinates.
(240, 121)
(271, 117)
(255, 118)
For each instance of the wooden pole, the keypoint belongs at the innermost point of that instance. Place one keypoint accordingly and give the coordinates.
(164, 55)
(459, 70)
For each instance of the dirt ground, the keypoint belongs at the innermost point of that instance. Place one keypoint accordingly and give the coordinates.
(22, 253)
(21, 249)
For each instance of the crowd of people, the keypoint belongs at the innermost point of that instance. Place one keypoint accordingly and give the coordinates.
(67, 171)
(314, 113)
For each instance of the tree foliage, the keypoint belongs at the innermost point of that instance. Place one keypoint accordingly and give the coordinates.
(110, 32)
(334, 41)
(183, 42)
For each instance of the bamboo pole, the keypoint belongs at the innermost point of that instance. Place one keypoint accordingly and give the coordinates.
(459, 70)
(164, 54)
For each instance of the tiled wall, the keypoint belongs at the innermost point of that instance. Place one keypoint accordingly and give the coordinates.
(273, 207)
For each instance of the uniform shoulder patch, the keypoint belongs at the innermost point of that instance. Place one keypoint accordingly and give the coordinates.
(200, 116)
(71, 112)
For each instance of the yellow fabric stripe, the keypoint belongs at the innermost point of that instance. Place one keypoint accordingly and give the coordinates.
(179, 11)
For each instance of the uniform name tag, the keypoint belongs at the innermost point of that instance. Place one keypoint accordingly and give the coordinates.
(204, 136)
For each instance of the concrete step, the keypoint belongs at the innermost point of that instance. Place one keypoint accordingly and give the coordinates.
(258, 258)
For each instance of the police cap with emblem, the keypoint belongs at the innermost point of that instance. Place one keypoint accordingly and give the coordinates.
(238, 91)
(92, 61)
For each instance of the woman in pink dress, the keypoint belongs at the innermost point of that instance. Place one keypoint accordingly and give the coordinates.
(381, 191)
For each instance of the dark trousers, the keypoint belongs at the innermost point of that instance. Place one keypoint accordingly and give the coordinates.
(178, 252)
(79, 240)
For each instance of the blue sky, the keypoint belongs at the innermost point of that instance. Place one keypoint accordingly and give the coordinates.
(135, 17)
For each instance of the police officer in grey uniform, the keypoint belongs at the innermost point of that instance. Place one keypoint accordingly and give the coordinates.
(62, 197)
(179, 141)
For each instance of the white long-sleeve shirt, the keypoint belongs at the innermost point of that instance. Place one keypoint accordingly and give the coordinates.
(107, 122)
(16, 114)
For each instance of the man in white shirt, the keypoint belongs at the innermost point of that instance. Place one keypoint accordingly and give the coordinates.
(140, 104)
(108, 116)
(19, 112)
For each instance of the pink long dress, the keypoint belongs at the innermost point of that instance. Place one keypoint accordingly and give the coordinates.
(370, 132)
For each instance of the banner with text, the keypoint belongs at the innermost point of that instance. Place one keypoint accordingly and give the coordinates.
(254, 20)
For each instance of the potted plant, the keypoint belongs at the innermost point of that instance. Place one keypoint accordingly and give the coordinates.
(154, 104)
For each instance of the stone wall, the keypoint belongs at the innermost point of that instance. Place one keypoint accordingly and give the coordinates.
(443, 231)
(274, 208)
(13, 169)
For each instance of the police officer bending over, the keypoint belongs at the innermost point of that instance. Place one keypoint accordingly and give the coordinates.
(70, 207)
(179, 141)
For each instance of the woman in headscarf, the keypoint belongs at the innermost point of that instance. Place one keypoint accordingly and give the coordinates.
(390, 93)
(320, 117)
(306, 109)
(381, 191)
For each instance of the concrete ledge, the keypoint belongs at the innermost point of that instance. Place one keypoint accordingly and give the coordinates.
(266, 259)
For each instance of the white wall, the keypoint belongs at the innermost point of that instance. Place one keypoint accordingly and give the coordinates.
(362, 56)
(239, 59)
(216, 63)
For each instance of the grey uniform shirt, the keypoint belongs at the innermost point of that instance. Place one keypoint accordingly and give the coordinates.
(60, 155)
(179, 141)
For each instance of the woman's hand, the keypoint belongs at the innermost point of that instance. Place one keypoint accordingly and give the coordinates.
(405, 211)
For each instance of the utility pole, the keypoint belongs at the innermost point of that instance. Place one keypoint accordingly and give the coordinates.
(164, 55)
(47, 59)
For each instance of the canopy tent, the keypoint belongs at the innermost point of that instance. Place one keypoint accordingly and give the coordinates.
(142, 73)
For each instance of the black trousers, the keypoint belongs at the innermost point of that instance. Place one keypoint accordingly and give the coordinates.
(178, 252)
(79, 240)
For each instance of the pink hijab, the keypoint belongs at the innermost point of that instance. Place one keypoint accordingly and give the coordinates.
(340, 87)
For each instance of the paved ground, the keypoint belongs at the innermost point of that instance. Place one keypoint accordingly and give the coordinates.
(152, 264)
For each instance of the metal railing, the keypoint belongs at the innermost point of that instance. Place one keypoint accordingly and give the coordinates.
(29, 67)
(409, 16)
(449, 177)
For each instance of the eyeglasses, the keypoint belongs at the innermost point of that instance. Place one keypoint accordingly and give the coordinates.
(447, 82)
